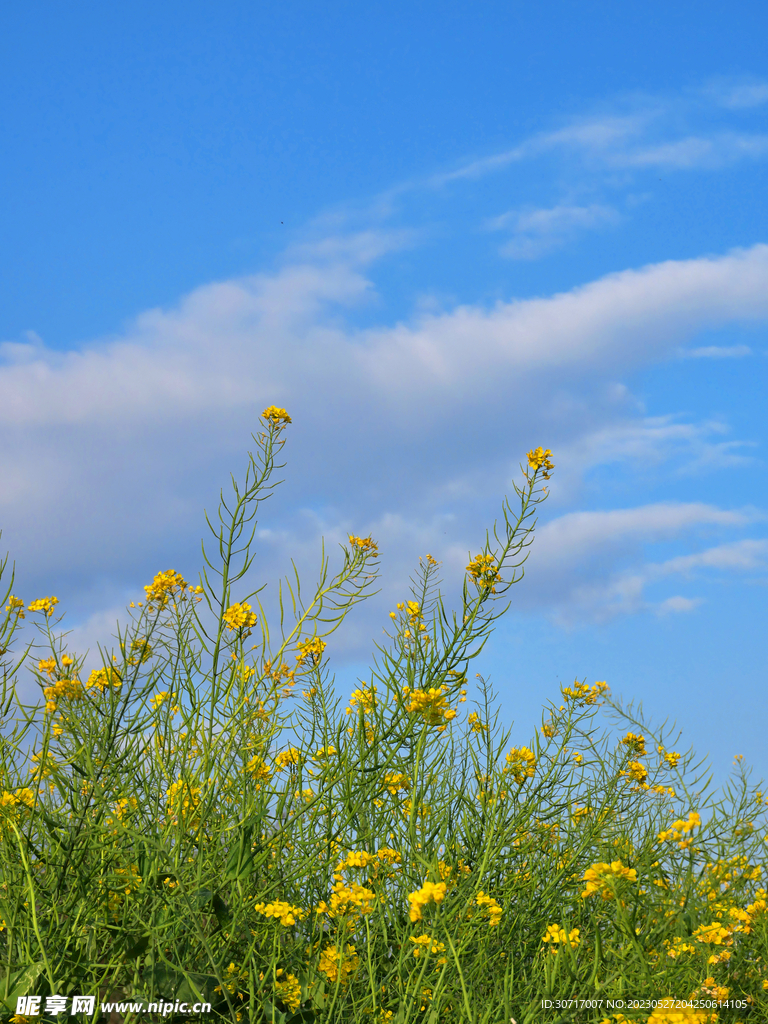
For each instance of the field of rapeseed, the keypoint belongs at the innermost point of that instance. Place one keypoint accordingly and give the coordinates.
(201, 817)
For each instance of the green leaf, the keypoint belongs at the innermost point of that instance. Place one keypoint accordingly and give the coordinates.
(138, 947)
(240, 862)
(170, 985)
(272, 1013)
(220, 909)
(22, 983)
(203, 896)
(306, 1016)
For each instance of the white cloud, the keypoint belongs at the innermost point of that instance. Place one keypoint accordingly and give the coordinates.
(617, 322)
(654, 135)
(717, 352)
(538, 231)
(109, 451)
(742, 555)
(678, 604)
(691, 152)
(648, 443)
(738, 95)
(579, 535)
(598, 592)
(597, 135)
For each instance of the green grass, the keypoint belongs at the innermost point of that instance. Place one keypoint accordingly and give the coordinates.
(204, 819)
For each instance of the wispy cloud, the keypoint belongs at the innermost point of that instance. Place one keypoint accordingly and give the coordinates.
(591, 543)
(717, 352)
(738, 95)
(606, 134)
(535, 232)
(657, 133)
(693, 152)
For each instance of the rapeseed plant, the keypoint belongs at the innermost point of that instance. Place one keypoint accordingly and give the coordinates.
(191, 825)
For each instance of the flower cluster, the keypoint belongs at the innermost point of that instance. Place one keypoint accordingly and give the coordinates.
(557, 935)
(13, 803)
(363, 699)
(425, 943)
(367, 545)
(141, 651)
(43, 766)
(290, 758)
(283, 912)
(64, 689)
(21, 796)
(49, 666)
(101, 678)
(606, 878)
(239, 616)
(430, 892)
(431, 704)
(163, 587)
(259, 770)
(636, 771)
(348, 900)
(521, 764)
(679, 828)
(671, 757)
(43, 604)
(581, 693)
(635, 743)
(279, 418)
(233, 977)
(15, 606)
(183, 799)
(288, 989)
(414, 627)
(485, 572)
(337, 965)
(539, 458)
(490, 906)
(310, 650)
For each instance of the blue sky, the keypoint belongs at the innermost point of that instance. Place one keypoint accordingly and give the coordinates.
(438, 235)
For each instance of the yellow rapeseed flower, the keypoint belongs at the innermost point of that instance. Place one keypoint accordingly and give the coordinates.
(288, 989)
(337, 964)
(431, 704)
(277, 417)
(43, 604)
(635, 743)
(557, 935)
(539, 458)
(581, 693)
(491, 907)
(163, 587)
(635, 771)
(485, 572)
(290, 758)
(15, 606)
(429, 892)
(605, 878)
(310, 650)
(427, 944)
(367, 545)
(101, 678)
(474, 721)
(239, 616)
(521, 764)
(283, 912)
